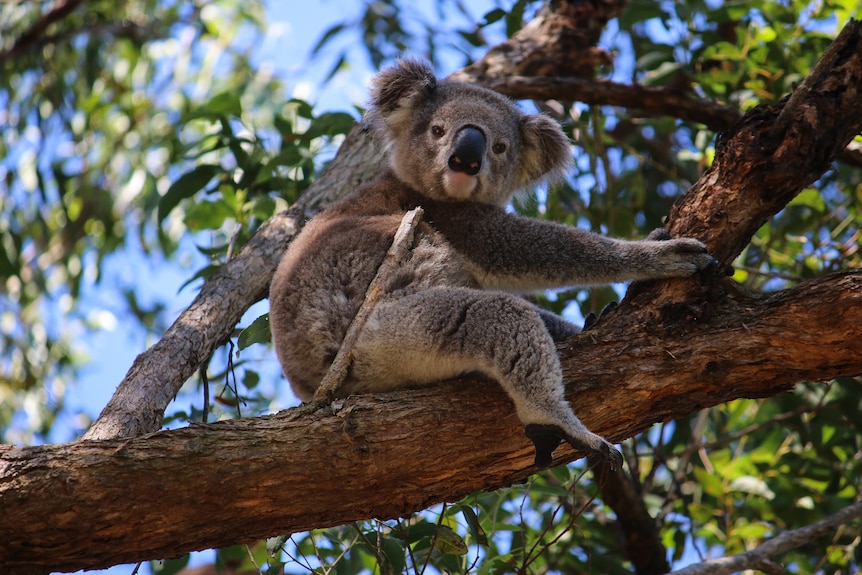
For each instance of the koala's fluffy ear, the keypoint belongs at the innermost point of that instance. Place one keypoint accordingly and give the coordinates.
(395, 91)
(546, 154)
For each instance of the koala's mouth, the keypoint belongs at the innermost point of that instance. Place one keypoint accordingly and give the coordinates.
(459, 184)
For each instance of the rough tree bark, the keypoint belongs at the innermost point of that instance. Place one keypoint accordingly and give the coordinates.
(663, 355)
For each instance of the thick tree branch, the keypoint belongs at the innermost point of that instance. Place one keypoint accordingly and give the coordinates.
(93, 504)
(757, 557)
(754, 175)
(156, 375)
(757, 170)
(559, 41)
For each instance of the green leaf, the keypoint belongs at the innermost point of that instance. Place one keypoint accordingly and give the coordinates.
(393, 552)
(302, 108)
(224, 104)
(330, 124)
(208, 215)
(186, 186)
(448, 542)
(639, 11)
(493, 16)
(203, 273)
(264, 208)
(257, 332)
(810, 198)
(413, 533)
(250, 379)
(473, 525)
(723, 51)
(515, 18)
(330, 33)
(169, 566)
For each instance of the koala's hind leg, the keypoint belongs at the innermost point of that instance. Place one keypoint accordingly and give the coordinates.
(444, 332)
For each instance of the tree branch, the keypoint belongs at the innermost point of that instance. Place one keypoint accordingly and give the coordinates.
(96, 503)
(779, 544)
(638, 100)
(559, 41)
(754, 175)
(642, 539)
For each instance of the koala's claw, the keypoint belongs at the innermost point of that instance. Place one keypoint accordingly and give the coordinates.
(546, 438)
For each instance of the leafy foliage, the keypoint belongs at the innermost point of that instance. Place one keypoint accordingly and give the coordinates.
(147, 123)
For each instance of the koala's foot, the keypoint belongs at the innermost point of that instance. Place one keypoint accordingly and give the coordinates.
(546, 438)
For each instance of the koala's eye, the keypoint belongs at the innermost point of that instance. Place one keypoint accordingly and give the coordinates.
(437, 131)
(499, 147)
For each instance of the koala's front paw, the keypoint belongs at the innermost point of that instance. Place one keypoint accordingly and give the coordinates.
(546, 438)
(680, 257)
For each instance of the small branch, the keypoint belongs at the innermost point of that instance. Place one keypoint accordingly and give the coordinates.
(401, 245)
(760, 556)
(138, 405)
(638, 100)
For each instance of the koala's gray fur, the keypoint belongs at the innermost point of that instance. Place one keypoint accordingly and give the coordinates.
(460, 152)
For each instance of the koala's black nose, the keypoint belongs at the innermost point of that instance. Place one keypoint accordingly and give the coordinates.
(469, 149)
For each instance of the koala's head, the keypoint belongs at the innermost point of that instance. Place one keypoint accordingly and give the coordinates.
(455, 141)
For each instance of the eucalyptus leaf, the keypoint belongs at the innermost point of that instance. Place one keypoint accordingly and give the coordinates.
(257, 332)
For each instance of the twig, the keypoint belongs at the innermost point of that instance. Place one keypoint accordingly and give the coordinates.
(779, 544)
(401, 245)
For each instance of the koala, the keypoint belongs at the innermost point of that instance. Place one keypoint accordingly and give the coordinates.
(460, 152)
